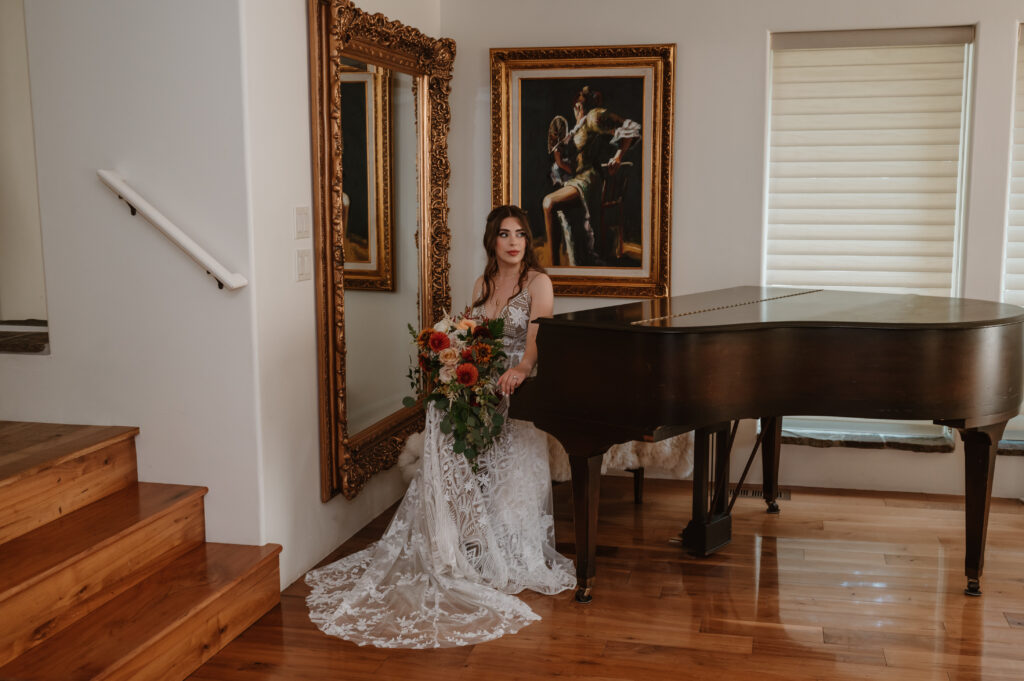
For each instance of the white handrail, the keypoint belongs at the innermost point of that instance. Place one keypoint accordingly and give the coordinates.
(117, 184)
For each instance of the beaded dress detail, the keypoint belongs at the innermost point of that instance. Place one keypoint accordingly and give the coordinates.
(459, 546)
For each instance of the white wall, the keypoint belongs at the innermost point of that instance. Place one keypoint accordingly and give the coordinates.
(719, 157)
(22, 290)
(277, 106)
(139, 334)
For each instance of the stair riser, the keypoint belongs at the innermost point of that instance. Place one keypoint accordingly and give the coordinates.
(68, 593)
(58, 489)
(189, 643)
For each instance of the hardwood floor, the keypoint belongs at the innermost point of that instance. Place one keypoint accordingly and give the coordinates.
(839, 586)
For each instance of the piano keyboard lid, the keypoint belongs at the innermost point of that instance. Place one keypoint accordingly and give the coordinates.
(754, 306)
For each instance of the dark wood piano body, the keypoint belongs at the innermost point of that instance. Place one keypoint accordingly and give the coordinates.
(652, 369)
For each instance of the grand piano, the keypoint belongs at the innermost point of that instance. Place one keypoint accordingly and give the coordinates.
(653, 369)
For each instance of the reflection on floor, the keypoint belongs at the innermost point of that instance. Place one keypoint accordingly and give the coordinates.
(839, 586)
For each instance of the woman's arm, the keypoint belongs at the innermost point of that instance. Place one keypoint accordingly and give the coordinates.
(542, 304)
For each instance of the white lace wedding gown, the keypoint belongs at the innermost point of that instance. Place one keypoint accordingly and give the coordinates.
(460, 544)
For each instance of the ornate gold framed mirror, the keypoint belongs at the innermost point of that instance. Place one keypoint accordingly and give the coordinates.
(358, 439)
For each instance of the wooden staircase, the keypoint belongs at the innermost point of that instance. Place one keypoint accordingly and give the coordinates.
(104, 577)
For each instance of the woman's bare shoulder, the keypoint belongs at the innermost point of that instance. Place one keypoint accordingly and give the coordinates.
(538, 281)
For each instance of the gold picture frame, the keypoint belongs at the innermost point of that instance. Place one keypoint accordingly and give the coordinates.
(369, 229)
(602, 223)
(338, 30)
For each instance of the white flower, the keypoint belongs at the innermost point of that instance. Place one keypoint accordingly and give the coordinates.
(447, 373)
(449, 356)
(443, 325)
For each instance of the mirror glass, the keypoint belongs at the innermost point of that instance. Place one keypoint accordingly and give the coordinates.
(377, 343)
(23, 326)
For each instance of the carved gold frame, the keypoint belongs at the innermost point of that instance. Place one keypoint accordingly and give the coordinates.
(382, 277)
(661, 58)
(336, 28)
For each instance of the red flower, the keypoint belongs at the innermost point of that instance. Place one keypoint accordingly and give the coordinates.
(439, 341)
(424, 361)
(481, 332)
(467, 355)
(466, 374)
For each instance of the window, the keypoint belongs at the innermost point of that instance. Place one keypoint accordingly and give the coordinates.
(1013, 271)
(866, 167)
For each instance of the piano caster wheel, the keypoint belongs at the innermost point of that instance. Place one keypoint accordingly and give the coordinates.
(773, 508)
(583, 595)
(973, 587)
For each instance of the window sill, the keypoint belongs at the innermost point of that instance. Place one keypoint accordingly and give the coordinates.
(1011, 447)
(912, 443)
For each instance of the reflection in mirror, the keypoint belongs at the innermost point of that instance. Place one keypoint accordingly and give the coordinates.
(23, 326)
(367, 132)
(377, 342)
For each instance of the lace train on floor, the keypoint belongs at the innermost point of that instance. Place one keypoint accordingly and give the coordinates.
(458, 547)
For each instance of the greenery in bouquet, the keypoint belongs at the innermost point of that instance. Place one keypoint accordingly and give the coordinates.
(460, 360)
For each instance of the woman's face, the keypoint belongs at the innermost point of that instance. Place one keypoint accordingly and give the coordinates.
(511, 243)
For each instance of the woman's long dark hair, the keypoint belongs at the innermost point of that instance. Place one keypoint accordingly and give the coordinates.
(529, 262)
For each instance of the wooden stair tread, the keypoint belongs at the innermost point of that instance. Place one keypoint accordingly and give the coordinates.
(26, 446)
(31, 557)
(111, 635)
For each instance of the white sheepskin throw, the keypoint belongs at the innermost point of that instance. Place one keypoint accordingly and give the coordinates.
(673, 456)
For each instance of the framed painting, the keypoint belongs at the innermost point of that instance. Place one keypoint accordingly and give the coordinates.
(366, 176)
(581, 138)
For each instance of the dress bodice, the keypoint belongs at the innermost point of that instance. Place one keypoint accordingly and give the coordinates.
(516, 314)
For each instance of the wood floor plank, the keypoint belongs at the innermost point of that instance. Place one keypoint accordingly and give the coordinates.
(836, 588)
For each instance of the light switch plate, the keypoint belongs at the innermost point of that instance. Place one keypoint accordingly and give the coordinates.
(303, 224)
(303, 264)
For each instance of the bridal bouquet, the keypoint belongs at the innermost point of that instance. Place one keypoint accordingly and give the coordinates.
(460, 359)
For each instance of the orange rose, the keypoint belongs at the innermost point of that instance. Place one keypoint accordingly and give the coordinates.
(467, 324)
(467, 374)
(438, 341)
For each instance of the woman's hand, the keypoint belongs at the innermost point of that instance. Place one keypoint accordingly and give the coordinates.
(510, 380)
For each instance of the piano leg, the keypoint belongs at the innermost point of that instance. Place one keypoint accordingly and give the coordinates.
(771, 438)
(710, 528)
(980, 447)
(586, 486)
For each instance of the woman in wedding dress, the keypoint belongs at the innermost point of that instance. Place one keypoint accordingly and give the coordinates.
(462, 543)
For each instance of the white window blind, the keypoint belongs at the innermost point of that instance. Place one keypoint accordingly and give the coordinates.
(866, 160)
(865, 171)
(1013, 281)
(1013, 274)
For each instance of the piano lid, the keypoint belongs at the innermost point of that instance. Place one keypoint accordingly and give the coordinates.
(754, 306)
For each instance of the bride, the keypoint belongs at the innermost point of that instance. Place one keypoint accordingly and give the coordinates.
(462, 543)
